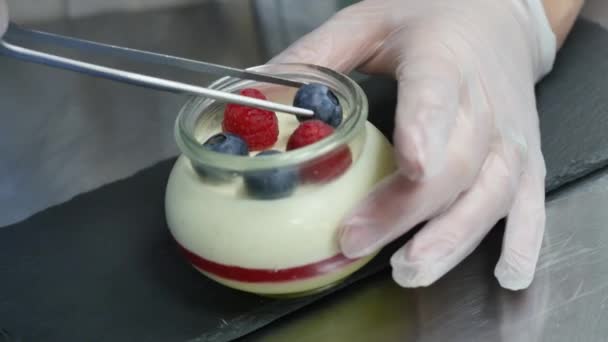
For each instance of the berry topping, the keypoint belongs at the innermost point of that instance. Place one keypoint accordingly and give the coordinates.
(226, 143)
(258, 127)
(308, 132)
(326, 167)
(273, 183)
(252, 92)
(322, 101)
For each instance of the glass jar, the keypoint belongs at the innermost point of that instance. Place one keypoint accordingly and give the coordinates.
(283, 245)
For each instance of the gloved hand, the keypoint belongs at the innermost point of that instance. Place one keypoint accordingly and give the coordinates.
(3, 17)
(466, 128)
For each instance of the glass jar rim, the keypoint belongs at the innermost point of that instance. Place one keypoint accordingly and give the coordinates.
(353, 123)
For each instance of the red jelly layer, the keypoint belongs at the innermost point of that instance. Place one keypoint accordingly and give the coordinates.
(254, 275)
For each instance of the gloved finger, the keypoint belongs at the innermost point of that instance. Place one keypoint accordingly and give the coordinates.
(446, 240)
(428, 102)
(395, 206)
(398, 204)
(3, 17)
(525, 229)
(344, 42)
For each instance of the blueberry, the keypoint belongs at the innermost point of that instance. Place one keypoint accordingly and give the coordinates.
(226, 143)
(322, 101)
(273, 183)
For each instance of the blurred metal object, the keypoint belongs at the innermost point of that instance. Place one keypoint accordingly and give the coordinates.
(280, 23)
(35, 10)
(283, 22)
(21, 34)
(29, 55)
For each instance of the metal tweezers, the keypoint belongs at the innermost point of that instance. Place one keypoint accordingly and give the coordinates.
(16, 33)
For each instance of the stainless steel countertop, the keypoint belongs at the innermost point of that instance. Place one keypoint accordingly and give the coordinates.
(64, 134)
(568, 300)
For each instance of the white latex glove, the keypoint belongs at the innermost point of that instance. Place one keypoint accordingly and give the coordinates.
(466, 128)
(3, 17)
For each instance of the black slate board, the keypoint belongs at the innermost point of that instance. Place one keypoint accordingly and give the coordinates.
(573, 107)
(102, 267)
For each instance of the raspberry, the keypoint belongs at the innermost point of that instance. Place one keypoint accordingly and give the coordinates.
(308, 132)
(326, 167)
(258, 127)
(252, 92)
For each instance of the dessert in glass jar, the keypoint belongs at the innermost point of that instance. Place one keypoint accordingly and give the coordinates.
(256, 198)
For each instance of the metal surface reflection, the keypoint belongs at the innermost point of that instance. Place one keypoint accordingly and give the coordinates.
(567, 301)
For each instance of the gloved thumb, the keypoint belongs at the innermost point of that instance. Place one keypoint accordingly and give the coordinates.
(342, 43)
